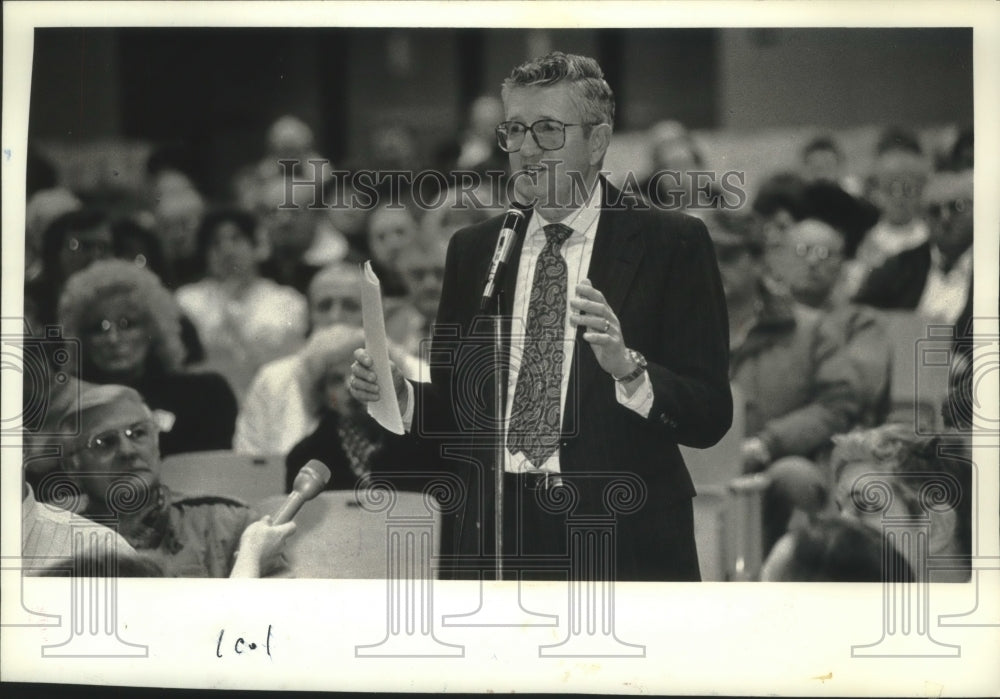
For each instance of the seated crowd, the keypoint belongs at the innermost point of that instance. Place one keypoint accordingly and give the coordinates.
(206, 327)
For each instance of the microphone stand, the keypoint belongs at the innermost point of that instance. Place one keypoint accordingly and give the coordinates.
(500, 448)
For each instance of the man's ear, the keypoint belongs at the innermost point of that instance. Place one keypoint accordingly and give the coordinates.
(600, 139)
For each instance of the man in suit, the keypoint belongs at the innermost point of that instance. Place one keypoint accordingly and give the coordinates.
(615, 349)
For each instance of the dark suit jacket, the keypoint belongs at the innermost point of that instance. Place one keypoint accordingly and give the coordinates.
(899, 284)
(658, 272)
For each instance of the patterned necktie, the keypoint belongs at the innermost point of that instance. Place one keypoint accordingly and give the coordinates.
(534, 421)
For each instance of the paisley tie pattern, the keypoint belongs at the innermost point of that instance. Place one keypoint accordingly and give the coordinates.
(534, 421)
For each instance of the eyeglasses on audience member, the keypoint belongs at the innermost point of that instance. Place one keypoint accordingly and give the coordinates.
(104, 445)
(816, 252)
(105, 328)
(955, 206)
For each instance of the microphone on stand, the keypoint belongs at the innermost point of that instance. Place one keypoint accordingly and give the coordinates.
(308, 483)
(513, 223)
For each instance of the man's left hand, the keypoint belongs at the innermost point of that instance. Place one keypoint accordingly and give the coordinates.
(603, 331)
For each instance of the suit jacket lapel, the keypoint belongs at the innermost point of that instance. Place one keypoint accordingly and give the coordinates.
(615, 258)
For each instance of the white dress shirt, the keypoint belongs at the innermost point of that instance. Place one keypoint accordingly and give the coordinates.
(577, 251)
(946, 293)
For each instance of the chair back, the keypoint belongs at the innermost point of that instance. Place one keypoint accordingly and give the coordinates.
(921, 357)
(243, 476)
(339, 536)
(712, 470)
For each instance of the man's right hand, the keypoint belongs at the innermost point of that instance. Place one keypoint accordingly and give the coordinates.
(362, 382)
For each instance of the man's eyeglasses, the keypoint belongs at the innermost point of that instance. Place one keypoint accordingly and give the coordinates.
(104, 445)
(549, 134)
(956, 206)
(816, 252)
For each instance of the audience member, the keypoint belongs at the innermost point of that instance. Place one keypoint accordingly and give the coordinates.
(128, 325)
(259, 548)
(289, 139)
(409, 322)
(283, 403)
(390, 230)
(816, 248)
(48, 533)
(243, 320)
(43, 207)
(779, 204)
(921, 483)
(139, 245)
(819, 249)
(800, 381)
(834, 549)
(345, 437)
(790, 365)
(675, 158)
(934, 278)
(899, 178)
(70, 243)
(335, 296)
(298, 239)
(348, 214)
(394, 147)
(115, 461)
(178, 208)
(823, 161)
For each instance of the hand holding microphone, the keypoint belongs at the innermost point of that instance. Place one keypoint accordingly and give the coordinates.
(261, 542)
(260, 548)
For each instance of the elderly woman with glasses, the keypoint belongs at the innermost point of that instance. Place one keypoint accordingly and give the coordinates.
(128, 326)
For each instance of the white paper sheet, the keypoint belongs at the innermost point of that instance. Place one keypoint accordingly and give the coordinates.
(386, 409)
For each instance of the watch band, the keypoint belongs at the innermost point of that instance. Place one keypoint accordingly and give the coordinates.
(640, 367)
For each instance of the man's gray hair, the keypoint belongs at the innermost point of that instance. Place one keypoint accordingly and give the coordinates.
(590, 91)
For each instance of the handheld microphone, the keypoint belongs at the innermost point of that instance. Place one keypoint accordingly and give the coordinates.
(513, 221)
(309, 481)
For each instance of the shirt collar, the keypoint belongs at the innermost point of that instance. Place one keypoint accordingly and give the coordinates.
(581, 220)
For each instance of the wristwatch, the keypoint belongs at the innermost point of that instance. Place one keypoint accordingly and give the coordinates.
(640, 367)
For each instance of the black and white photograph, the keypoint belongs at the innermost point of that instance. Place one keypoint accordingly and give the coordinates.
(488, 347)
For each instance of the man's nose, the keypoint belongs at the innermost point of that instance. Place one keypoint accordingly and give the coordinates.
(126, 447)
(530, 144)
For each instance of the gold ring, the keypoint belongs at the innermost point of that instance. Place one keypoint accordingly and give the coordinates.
(607, 325)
